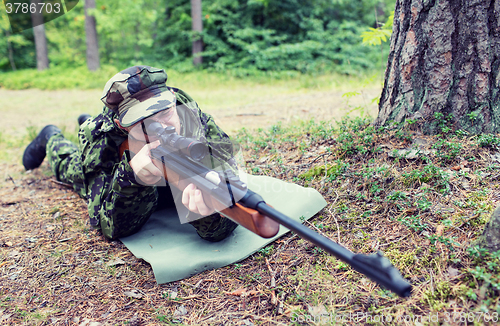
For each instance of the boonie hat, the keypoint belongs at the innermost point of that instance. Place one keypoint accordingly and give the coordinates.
(137, 93)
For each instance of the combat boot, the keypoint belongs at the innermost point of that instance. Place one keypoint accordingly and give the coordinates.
(83, 117)
(35, 152)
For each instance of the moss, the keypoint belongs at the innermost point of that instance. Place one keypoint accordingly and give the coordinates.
(402, 259)
(436, 298)
(319, 171)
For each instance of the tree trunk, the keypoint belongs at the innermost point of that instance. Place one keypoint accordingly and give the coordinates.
(11, 51)
(490, 238)
(444, 58)
(91, 37)
(197, 30)
(42, 56)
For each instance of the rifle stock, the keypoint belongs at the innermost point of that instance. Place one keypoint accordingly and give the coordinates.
(231, 197)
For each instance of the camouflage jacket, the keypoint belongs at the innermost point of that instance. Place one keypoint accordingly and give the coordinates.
(117, 203)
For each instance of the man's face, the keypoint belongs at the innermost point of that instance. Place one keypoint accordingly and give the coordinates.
(168, 117)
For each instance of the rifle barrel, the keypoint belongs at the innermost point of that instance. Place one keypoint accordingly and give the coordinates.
(375, 266)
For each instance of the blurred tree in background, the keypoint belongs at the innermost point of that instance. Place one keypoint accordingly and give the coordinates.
(42, 58)
(91, 38)
(197, 24)
(249, 36)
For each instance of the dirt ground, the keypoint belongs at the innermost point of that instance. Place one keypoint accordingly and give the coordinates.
(23, 108)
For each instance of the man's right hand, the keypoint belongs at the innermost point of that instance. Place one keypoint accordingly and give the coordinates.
(144, 167)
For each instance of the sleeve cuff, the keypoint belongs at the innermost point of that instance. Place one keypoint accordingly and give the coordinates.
(125, 176)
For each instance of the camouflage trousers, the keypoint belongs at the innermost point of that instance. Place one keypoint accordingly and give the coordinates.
(66, 164)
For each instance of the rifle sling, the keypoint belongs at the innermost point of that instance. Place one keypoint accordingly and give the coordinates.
(123, 147)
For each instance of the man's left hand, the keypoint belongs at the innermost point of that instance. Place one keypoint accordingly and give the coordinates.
(192, 198)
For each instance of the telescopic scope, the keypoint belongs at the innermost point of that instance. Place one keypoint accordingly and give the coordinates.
(169, 138)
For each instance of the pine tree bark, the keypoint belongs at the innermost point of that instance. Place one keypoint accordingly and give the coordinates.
(197, 25)
(444, 58)
(490, 238)
(91, 37)
(42, 55)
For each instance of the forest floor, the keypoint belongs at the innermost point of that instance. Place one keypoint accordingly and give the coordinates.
(421, 200)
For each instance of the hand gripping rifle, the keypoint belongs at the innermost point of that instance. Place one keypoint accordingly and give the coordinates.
(179, 158)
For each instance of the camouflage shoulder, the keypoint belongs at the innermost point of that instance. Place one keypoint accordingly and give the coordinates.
(97, 125)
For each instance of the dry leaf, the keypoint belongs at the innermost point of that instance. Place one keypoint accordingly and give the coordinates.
(180, 311)
(495, 157)
(4, 316)
(237, 292)
(14, 253)
(439, 230)
(87, 322)
(424, 185)
(317, 310)
(115, 262)
(291, 309)
(453, 271)
(133, 294)
(172, 295)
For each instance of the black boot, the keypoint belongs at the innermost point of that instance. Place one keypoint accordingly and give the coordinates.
(35, 152)
(82, 118)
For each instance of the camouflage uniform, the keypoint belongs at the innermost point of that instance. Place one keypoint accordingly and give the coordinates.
(117, 203)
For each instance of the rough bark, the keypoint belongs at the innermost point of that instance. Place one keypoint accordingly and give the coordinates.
(444, 58)
(490, 238)
(197, 25)
(42, 56)
(91, 37)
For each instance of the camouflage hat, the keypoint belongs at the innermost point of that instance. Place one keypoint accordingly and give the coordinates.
(137, 93)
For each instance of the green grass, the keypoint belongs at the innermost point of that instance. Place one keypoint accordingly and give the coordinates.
(56, 78)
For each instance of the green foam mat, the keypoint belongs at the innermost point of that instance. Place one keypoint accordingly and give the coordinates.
(175, 251)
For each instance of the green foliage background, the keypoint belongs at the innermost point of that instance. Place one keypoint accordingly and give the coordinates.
(241, 36)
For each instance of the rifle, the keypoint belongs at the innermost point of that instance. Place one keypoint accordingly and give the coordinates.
(179, 158)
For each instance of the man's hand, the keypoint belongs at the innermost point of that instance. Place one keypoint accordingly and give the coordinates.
(143, 166)
(149, 174)
(192, 198)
